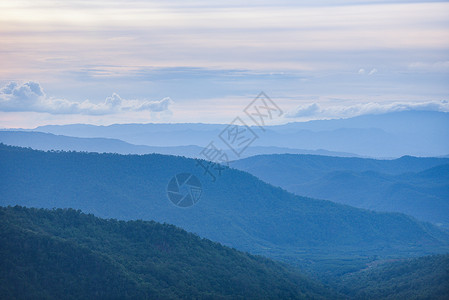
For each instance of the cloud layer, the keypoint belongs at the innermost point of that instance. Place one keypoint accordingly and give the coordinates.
(30, 97)
(316, 111)
(294, 34)
(209, 54)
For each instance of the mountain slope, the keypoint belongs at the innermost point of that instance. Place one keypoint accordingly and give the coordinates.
(66, 254)
(416, 186)
(237, 209)
(420, 278)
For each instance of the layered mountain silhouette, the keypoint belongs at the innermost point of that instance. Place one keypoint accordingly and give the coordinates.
(415, 186)
(48, 141)
(236, 209)
(418, 133)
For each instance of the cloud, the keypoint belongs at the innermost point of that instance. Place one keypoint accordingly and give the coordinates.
(439, 66)
(372, 71)
(363, 71)
(30, 97)
(156, 106)
(316, 111)
(306, 111)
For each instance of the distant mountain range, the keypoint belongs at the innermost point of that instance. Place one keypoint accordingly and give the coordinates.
(418, 133)
(415, 186)
(48, 141)
(237, 209)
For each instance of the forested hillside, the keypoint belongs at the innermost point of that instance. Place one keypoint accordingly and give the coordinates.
(65, 254)
(419, 278)
(237, 209)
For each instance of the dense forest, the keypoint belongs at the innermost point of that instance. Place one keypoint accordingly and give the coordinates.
(65, 254)
(420, 278)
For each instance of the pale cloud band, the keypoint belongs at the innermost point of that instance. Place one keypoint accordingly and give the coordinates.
(30, 97)
(316, 111)
(252, 35)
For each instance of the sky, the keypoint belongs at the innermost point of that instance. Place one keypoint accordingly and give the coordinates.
(104, 62)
